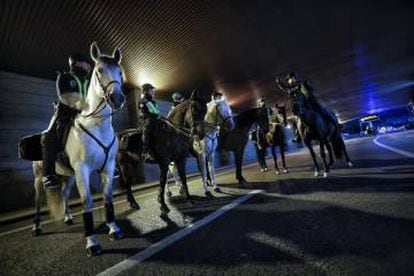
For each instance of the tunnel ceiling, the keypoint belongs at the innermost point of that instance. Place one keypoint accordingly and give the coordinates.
(358, 54)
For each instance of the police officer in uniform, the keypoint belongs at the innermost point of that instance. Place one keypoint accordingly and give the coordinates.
(150, 112)
(71, 88)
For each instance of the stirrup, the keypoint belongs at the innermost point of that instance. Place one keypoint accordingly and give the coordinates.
(50, 181)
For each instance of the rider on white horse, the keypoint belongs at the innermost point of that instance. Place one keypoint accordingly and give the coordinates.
(71, 88)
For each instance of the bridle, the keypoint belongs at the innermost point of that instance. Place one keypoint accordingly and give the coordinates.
(103, 103)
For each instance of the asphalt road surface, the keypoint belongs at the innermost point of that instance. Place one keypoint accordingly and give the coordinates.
(358, 221)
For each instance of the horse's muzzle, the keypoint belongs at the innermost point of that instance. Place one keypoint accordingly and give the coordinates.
(116, 99)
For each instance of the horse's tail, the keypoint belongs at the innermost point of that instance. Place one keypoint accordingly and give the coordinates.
(54, 198)
(337, 144)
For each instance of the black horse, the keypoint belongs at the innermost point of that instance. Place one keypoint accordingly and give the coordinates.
(235, 140)
(278, 139)
(312, 126)
(169, 143)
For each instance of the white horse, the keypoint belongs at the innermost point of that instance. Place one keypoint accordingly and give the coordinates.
(91, 144)
(219, 115)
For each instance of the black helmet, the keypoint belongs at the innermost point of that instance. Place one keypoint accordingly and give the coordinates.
(78, 57)
(216, 95)
(147, 86)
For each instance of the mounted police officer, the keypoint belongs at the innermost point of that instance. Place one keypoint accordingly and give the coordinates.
(291, 82)
(71, 88)
(150, 112)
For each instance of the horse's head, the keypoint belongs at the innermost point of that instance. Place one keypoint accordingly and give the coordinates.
(219, 113)
(298, 102)
(108, 74)
(197, 108)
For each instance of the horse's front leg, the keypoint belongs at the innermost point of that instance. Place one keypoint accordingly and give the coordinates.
(163, 180)
(238, 156)
(323, 156)
(201, 163)
(82, 174)
(330, 153)
(106, 177)
(212, 172)
(312, 152)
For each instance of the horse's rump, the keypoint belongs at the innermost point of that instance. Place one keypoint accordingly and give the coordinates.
(30, 148)
(130, 140)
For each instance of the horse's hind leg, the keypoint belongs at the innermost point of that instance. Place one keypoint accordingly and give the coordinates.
(201, 163)
(67, 185)
(125, 167)
(181, 171)
(347, 159)
(163, 180)
(330, 152)
(38, 185)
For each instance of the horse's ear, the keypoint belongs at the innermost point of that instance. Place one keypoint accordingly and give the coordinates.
(117, 55)
(95, 52)
(195, 94)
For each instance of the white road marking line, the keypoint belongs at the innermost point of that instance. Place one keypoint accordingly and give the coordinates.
(399, 151)
(288, 248)
(166, 242)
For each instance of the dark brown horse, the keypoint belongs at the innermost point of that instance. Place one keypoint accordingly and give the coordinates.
(235, 140)
(169, 143)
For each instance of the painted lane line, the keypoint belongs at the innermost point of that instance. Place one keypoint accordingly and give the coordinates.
(289, 248)
(166, 242)
(395, 150)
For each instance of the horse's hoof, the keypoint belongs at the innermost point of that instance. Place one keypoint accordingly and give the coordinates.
(217, 190)
(94, 250)
(164, 210)
(133, 205)
(36, 232)
(350, 164)
(316, 174)
(68, 221)
(325, 174)
(117, 235)
(169, 194)
(208, 194)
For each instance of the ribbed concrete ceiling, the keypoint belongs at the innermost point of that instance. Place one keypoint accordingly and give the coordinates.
(358, 54)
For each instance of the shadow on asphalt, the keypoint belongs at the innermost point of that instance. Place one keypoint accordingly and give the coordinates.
(271, 229)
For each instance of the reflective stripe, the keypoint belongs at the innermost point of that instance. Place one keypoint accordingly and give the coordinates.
(83, 88)
(152, 108)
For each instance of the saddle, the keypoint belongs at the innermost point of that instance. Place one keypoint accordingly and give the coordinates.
(30, 147)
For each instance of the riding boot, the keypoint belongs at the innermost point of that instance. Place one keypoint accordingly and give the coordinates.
(50, 147)
(147, 152)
